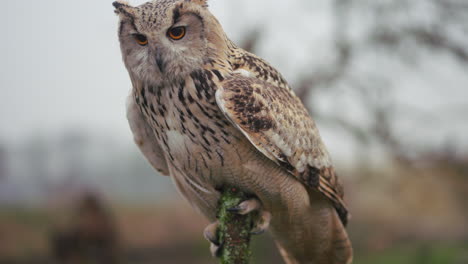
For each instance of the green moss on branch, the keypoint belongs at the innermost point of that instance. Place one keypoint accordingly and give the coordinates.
(234, 229)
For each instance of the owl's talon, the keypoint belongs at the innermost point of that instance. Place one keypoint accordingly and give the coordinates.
(245, 207)
(234, 209)
(210, 233)
(262, 223)
(257, 232)
(215, 250)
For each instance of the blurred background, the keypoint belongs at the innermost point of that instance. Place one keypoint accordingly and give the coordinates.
(386, 81)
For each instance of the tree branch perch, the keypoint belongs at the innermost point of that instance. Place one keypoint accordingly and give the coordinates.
(234, 229)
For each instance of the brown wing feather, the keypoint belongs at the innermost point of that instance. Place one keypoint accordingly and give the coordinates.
(278, 125)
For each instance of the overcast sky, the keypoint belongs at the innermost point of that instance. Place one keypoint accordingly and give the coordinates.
(61, 67)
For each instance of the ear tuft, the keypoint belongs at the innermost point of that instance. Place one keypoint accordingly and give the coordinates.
(203, 3)
(121, 7)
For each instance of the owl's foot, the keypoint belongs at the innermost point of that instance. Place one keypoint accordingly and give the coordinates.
(246, 207)
(210, 234)
(261, 223)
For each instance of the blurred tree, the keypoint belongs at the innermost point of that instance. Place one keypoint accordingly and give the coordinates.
(73, 146)
(36, 152)
(91, 238)
(3, 163)
(372, 40)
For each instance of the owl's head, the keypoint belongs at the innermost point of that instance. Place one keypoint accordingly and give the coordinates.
(167, 39)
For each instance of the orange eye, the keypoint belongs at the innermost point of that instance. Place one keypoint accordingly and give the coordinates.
(176, 33)
(141, 39)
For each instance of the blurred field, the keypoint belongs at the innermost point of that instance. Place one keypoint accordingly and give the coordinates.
(146, 235)
(407, 216)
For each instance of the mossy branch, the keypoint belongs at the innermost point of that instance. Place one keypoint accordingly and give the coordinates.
(234, 229)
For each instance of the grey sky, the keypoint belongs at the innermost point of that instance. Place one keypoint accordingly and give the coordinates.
(61, 67)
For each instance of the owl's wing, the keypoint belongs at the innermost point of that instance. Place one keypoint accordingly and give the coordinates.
(278, 125)
(144, 137)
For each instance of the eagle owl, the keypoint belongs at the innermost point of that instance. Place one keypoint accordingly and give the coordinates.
(210, 114)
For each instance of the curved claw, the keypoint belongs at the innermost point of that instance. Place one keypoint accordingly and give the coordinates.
(210, 233)
(215, 250)
(246, 207)
(262, 224)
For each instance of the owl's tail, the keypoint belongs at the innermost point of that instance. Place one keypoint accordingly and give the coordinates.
(316, 236)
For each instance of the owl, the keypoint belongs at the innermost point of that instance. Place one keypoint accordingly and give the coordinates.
(210, 114)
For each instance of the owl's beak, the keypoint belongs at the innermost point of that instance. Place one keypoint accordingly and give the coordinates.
(160, 62)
